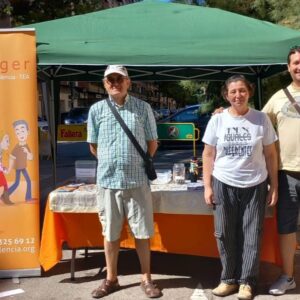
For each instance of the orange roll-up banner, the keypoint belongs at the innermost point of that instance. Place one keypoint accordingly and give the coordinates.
(19, 158)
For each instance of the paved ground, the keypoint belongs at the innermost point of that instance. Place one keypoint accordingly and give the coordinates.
(179, 276)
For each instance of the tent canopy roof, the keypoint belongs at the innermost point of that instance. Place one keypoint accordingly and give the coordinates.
(162, 41)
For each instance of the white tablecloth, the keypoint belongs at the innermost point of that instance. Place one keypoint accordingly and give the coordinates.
(167, 198)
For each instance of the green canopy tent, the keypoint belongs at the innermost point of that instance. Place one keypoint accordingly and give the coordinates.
(159, 41)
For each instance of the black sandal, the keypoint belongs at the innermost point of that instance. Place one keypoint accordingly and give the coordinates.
(106, 287)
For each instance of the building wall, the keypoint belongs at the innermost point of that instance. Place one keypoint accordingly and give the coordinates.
(79, 93)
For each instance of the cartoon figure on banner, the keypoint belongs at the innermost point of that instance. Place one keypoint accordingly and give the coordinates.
(4, 144)
(19, 157)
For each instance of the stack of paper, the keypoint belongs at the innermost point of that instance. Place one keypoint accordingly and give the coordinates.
(193, 186)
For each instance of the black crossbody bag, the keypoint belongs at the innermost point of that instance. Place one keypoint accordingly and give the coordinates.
(149, 166)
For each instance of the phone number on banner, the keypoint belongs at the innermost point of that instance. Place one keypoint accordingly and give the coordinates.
(17, 245)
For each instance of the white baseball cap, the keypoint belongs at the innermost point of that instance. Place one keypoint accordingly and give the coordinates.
(116, 69)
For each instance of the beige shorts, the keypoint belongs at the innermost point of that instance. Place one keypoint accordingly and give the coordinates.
(133, 204)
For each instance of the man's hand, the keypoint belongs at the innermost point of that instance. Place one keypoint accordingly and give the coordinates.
(28, 153)
(152, 147)
(93, 149)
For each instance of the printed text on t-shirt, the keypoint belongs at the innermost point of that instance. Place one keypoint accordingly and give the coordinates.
(239, 142)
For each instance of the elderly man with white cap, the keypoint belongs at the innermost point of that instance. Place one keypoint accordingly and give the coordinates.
(123, 186)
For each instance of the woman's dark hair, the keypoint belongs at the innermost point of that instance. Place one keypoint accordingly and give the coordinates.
(293, 50)
(250, 86)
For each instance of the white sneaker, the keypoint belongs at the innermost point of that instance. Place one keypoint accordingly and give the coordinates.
(282, 284)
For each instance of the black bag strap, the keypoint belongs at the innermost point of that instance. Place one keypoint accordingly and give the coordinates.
(127, 131)
(291, 98)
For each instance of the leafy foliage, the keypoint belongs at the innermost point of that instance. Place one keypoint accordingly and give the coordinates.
(175, 91)
(32, 11)
(286, 13)
(243, 7)
(5, 8)
(282, 12)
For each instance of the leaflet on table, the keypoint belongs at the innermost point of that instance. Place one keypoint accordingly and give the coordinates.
(187, 186)
(77, 187)
(195, 186)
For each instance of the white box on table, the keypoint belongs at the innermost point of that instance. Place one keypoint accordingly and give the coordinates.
(85, 171)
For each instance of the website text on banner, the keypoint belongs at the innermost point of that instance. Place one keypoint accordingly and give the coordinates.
(19, 169)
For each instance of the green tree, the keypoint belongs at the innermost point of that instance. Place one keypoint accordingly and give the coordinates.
(174, 90)
(5, 13)
(273, 84)
(195, 90)
(286, 13)
(191, 2)
(185, 92)
(243, 7)
(5, 8)
(31, 11)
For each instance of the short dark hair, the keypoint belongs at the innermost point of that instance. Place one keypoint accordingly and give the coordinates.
(293, 50)
(250, 86)
(20, 122)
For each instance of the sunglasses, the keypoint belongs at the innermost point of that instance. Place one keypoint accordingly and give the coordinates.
(115, 80)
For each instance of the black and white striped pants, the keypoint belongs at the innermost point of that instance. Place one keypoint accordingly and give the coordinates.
(239, 215)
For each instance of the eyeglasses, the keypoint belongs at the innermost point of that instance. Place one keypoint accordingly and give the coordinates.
(115, 80)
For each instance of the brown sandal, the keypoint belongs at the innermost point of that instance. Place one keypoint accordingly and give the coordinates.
(105, 288)
(5, 198)
(150, 289)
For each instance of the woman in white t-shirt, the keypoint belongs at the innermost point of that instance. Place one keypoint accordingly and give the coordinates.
(238, 157)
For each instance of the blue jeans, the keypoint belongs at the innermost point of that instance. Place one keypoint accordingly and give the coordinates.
(12, 188)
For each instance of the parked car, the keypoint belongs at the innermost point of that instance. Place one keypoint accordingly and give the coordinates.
(43, 124)
(191, 114)
(63, 116)
(157, 116)
(77, 115)
(173, 111)
(163, 112)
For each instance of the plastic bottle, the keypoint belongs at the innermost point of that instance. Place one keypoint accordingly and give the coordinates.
(194, 169)
(200, 169)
